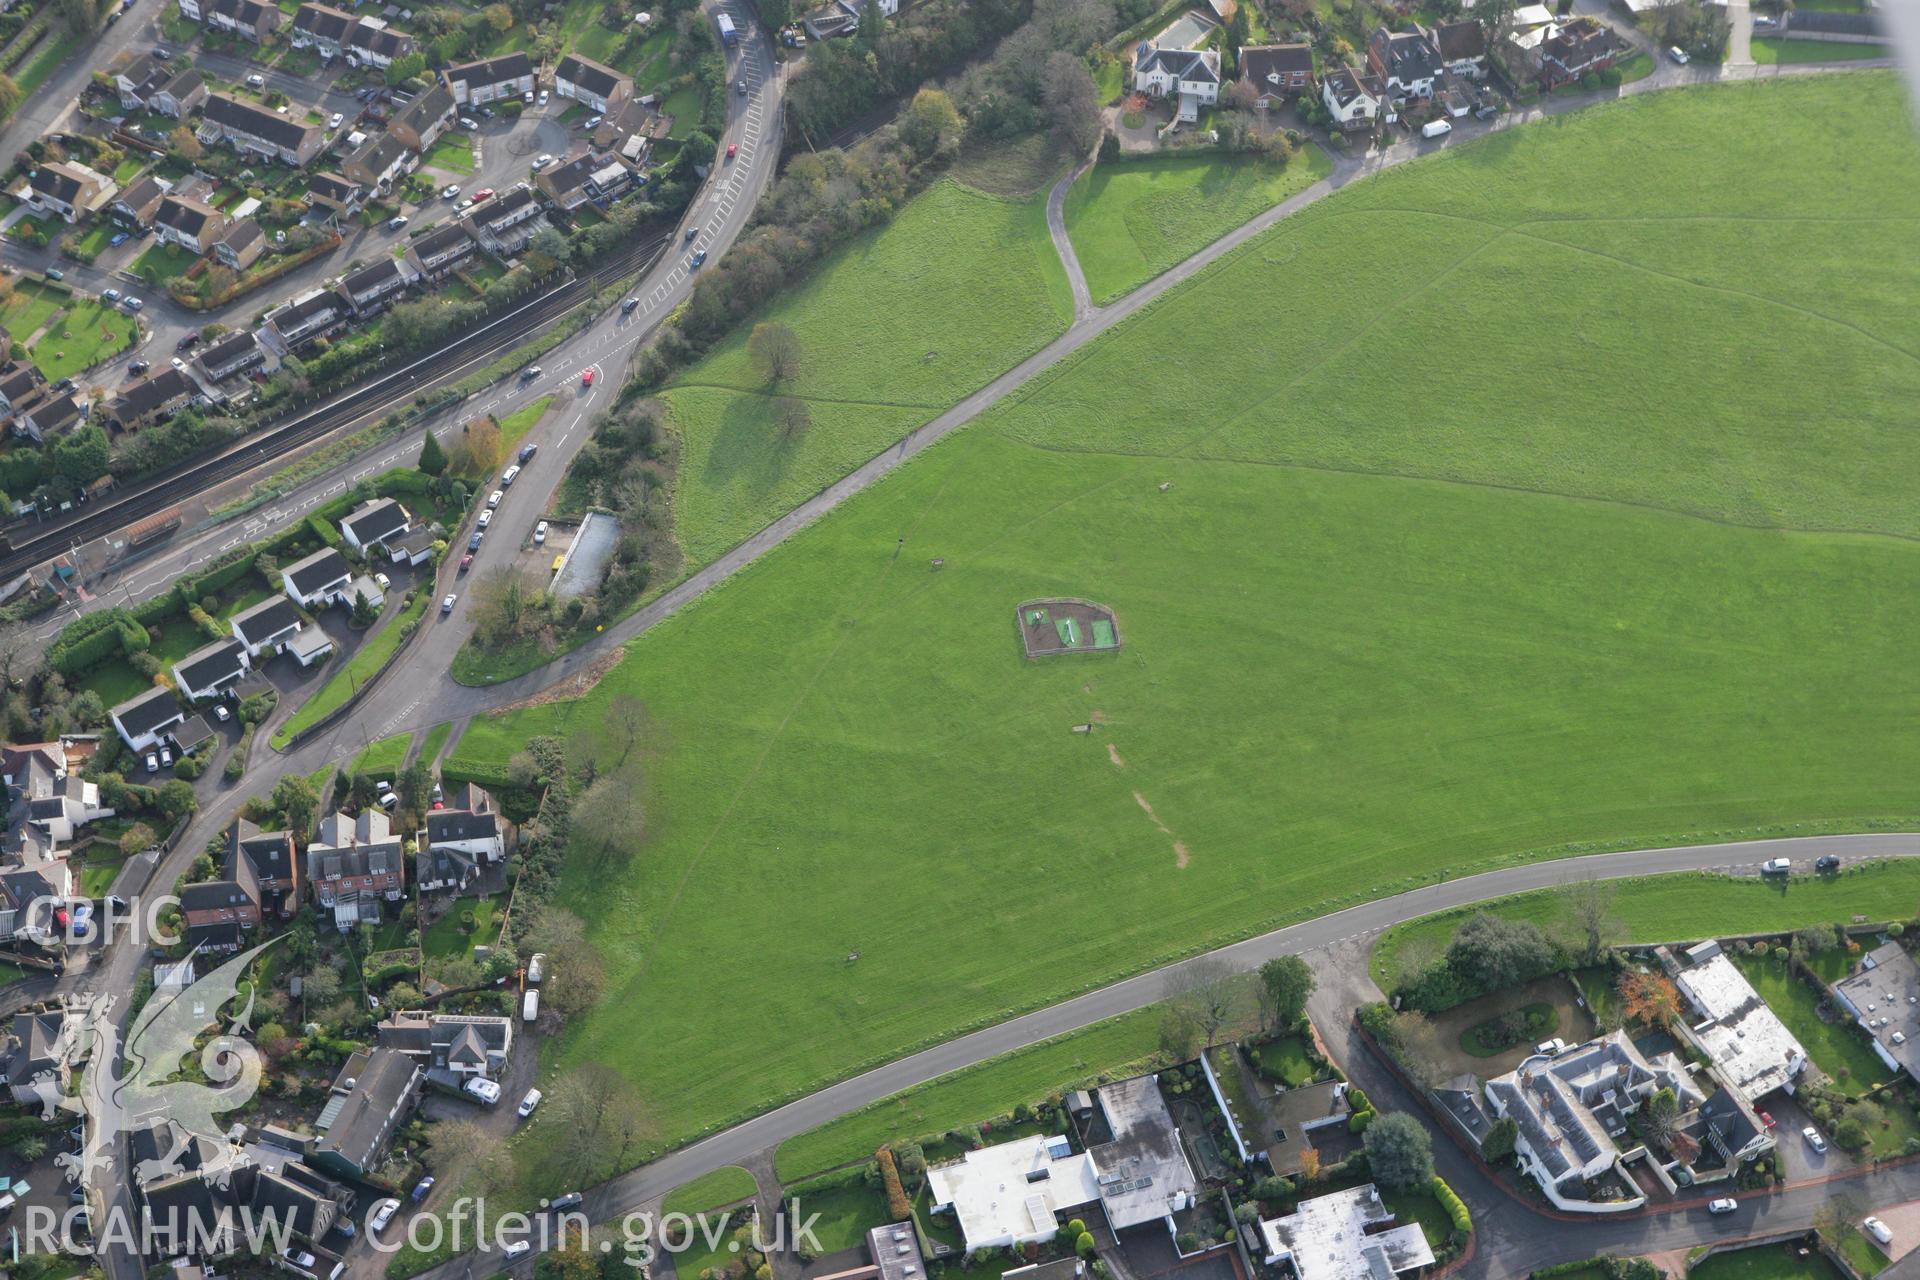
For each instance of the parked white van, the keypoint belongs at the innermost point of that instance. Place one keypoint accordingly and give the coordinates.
(530, 1007)
(1435, 129)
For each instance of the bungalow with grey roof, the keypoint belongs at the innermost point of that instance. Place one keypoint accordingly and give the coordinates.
(142, 720)
(209, 671)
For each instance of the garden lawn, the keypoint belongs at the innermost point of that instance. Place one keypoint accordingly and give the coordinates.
(453, 154)
(726, 1185)
(30, 306)
(1682, 907)
(90, 332)
(1838, 1048)
(436, 737)
(98, 874)
(366, 660)
(98, 238)
(1287, 1058)
(1131, 220)
(1386, 620)
(446, 940)
(893, 329)
(1862, 1253)
(846, 1215)
(974, 1094)
(162, 262)
(1423, 1207)
(1769, 52)
(683, 107)
(116, 681)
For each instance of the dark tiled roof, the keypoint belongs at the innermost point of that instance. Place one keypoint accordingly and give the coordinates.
(186, 215)
(258, 122)
(150, 394)
(56, 182)
(1258, 61)
(324, 21)
(594, 77)
(148, 712)
(220, 659)
(508, 66)
(265, 620)
(1460, 40)
(317, 570)
(440, 239)
(334, 187)
(224, 351)
(1406, 55)
(426, 110)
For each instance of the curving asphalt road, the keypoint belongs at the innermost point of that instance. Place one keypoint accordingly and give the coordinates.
(632, 1191)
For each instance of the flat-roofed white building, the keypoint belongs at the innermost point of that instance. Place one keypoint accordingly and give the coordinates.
(1345, 1236)
(1749, 1045)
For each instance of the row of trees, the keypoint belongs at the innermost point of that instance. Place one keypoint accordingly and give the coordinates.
(1489, 952)
(1208, 1000)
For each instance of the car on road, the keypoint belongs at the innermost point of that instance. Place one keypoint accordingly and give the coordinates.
(1679, 55)
(117, 902)
(1827, 863)
(423, 1188)
(119, 238)
(586, 378)
(335, 120)
(1725, 1204)
(540, 533)
(139, 367)
(473, 543)
(740, 87)
(733, 149)
(109, 295)
(298, 1257)
(487, 1091)
(486, 518)
(382, 1214)
(692, 234)
(189, 342)
(132, 304)
(541, 161)
(396, 222)
(256, 81)
(508, 476)
(55, 273)
(469, 123)
(163, 53)
(627, 307)
(450, 192)
(463, 206)
(495, 498)
(526, 453)
(446, 606)
(484, 193)
(1877, 1229)
(699, 256)
(1814, 1140)
(528, 1103)
(531, 372)
(466, 562)
(1776, 866)
(177, 362)
(571, 1200)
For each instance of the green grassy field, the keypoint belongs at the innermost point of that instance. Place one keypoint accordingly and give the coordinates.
(453, 154)
(846, 1215)
(974, 1094)
(520, 421)
(1771, 52)
(895, 328)
(1131, 220)
(1676, 908)
(729, 1184)
(89, 333)
(384, 757)
(30, 306)
(1407, 591)
(435, 737)
(1766, 1262)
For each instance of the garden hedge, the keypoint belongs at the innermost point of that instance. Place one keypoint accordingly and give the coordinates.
(1456, 1209)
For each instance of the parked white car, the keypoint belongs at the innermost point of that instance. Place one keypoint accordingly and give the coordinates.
(1814, 1140)
(1776, 866)
(382, 1215)
(1877, 1229)
(495, 498)
(1722, 1205)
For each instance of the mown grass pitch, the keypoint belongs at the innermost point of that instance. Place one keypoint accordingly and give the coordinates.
(1399, 614)
(1131, 220)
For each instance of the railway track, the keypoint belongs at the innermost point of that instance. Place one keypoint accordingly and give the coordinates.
(24, 546)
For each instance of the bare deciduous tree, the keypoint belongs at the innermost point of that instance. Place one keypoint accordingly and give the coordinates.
(1590, 903)
(775, 347)
(608, 820)
(1072, 100)
(792, 415)
(1210, 994)
(603, 1120)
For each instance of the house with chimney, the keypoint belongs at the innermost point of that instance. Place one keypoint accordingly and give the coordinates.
(139, 201)
(459, 1045)
(313, 314)
(189, 223)
(1354, 99)
(505, 223)
(435, 253)
(355, 865)
(374, 1094)
(250, 20)
(69, 190)
(462, 843)
(1190, 75)
(378, 285)
(422, 122)
(338, 194)
(230, 355)
(240, 245)
(1406, 62)
(595, 84)
(1277, 72)
(148, 398)
(475, 84)
(378, 162)
(255, 130)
